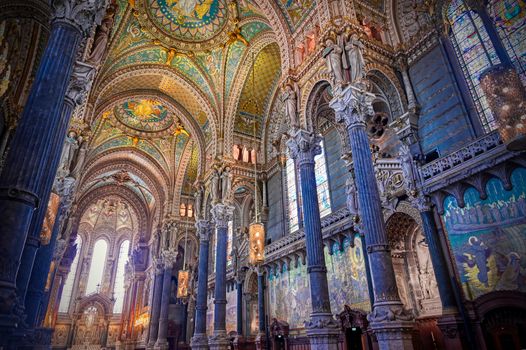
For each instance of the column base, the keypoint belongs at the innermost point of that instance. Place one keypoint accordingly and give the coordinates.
(394, 335)
(161, 345)
(261, 341)
(452, 327)
(199, 341)
(218, 341)
(238, 342)
(323, 332)
(150, 346)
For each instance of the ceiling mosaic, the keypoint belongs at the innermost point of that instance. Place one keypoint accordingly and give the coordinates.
(185, 24)
(296, 11)
(111, 213)
(145, 115)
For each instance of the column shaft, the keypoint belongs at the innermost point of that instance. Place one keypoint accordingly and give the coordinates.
(156, 308)
(162, 342)
(30, 155)
(239, 308)
(220, 283)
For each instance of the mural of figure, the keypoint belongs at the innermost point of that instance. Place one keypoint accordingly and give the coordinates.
(353, 50)
(509, 278)
(333, 57)
(291, 105)
(480, 253)
(226, 184)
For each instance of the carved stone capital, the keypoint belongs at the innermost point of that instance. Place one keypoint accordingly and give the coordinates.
(422, 203)
(352, 106)
(222, 214)
(80, 82)
(81, 14)
(203, 229)
(168, 257)
(304, 146)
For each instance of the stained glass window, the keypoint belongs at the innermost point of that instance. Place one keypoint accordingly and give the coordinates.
(292, 195)
(98, 261)
(322, 183)
(475, 52)
(70, 280)
(510, 20)
(118, 289)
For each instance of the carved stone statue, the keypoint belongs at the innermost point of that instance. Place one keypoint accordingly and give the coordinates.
(290, 100)
(198, 201)
(69, 150)
(214, 187)
(353, 50)
(102, 36)
(406, 162)
(226, 184)
(81, 157)
(333, 57)
(352, 196)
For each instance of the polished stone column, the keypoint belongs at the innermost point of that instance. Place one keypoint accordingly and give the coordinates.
(322, 328)
(155, 305)
(391, 324)
(450, 319)
(239, 307)
(199, 339)
(169, 257)
(32, 146)
(261, 337)
(222, 214)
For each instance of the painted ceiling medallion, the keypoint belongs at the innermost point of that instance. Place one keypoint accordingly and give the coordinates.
(144, 115)
(186, 24)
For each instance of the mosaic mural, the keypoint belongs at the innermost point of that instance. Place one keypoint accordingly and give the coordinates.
(144, 115)
(488, 237)
(289, 291)
(295, 11)
(231, 315)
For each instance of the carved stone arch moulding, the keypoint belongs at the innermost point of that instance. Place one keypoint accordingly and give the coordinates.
(180, 175)
(259, 43)
(140, 208)
(309, 89)
(135, 72)
(385, 78)
(120, 160)
(173, 106)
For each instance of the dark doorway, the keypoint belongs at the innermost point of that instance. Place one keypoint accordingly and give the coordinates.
(353, 337)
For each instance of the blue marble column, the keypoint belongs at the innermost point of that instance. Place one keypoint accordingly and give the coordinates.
(222, 214)
(200, 339)
(322, 328)
(239, 307)
(32, 146)
(261, 337)
(389, 321)
(169, 257)
(155, 305)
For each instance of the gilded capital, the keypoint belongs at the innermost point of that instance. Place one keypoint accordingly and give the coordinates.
(352, 106)
(304, 146)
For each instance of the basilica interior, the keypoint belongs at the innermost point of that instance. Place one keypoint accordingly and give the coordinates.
(263, 174)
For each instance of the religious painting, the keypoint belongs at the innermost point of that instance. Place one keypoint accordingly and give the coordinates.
(295, 11)
(254, 318)
(488, 237)
(231, 310)
(210, 316)
(144, 115)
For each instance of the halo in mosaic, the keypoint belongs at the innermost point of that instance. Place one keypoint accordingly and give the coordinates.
(145, 115)
(187, 22)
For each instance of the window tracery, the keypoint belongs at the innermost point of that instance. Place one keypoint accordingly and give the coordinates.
(67, 290)
(118, 289)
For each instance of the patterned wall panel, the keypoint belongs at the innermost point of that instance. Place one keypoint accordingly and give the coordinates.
(443, 124)
(488, 237)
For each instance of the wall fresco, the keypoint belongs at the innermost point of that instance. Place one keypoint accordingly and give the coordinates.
(289, 291)
(488, 237)
(231, 315)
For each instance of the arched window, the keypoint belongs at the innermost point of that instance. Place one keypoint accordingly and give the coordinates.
(98, 262)
(118, 289)
(292, 194)
(475, 53)
(322, 183)
(70, 279)
(509, 17)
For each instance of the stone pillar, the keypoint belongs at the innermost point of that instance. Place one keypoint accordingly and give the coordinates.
(156, 305)
(169, 257)
(239, 308)
(200, 340)
(450, 323)
(322, 328)
(32, 146)
(222, 214)
(262, 336)
(391, 324)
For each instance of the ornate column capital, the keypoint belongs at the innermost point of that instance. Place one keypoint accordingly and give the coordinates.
(203, 229)
(80, 82)
(168, 257)
(222, 214)
(304, 146)
(422, 203)
(353, 105)
(81, 14)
